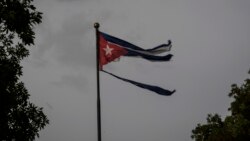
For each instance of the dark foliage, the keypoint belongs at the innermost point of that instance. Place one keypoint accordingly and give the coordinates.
(235, 127)
(19, 119)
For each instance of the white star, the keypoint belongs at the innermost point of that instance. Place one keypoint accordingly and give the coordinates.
(108, 50)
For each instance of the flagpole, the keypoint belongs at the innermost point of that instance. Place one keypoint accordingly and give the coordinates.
(99, 131)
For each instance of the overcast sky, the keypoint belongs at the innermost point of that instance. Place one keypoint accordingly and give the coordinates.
(211, 51)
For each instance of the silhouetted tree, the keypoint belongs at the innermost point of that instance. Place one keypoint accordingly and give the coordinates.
(20, 120)
(235, 127)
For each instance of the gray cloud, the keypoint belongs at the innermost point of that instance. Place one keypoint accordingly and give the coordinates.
(72, 46)
(70, 0)
(75, 81)
(69, 46)
(49, 106)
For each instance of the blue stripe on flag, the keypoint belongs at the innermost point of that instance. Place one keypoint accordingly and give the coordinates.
(156, 50)
(149, 57)
(155, 89)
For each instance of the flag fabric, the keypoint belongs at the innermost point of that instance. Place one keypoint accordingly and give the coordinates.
(111, 48)
(155, 89)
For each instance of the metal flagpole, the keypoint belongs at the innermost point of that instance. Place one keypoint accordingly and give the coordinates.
(99, 131)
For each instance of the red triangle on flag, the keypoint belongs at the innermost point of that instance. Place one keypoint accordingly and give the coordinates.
(109, 51)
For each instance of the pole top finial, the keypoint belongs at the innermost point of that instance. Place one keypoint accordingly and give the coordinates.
(96, 25)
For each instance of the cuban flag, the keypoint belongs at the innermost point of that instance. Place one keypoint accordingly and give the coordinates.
(111, 48)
